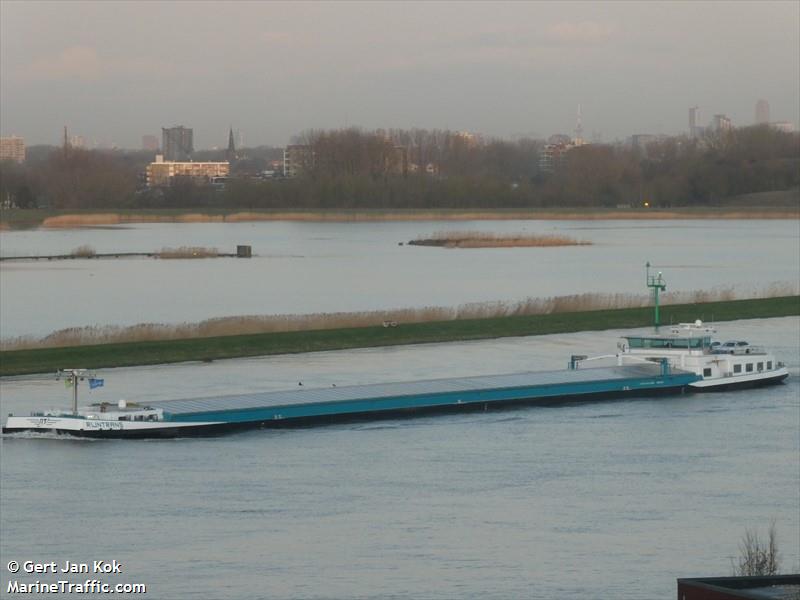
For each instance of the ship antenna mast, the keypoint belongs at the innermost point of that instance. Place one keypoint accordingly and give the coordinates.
(657, 284)
(73, 376)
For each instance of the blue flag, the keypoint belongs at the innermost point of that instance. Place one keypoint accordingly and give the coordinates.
(96, 383)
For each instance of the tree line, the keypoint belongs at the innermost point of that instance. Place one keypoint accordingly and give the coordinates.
(418, 168)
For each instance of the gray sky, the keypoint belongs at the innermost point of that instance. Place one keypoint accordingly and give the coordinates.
(113, 71)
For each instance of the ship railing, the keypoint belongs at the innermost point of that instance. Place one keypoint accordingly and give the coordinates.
(576, 360)
(740, 351)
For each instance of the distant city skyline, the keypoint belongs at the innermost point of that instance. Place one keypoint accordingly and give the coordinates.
(696, 127)
(273, 70)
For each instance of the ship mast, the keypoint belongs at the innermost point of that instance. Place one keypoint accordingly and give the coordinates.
(73, 376)
(657, 284)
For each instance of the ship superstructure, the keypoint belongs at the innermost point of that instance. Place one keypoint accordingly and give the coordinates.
(722, 365)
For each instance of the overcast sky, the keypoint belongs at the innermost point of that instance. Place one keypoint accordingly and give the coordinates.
(113, 71)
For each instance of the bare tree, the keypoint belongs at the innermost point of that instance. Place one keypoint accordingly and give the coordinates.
(758, 556)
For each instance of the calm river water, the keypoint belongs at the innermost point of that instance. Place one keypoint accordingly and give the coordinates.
(598, 500)
(329, 267)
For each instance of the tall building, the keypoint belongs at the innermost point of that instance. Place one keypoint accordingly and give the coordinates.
(694, 121)
(176, 143)
(762, 112)
(641, 141)
(554, 153)
(150, 142)
(469, 139)
(785, 126)
(12, 148)
(722, 123)
(297, 159)
(162, 172)
(77, 141)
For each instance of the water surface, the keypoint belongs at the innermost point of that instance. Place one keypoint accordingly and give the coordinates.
(596, 500)
(329, 267)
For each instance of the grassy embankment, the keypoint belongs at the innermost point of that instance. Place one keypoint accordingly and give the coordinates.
(145, 353)
(28, 218)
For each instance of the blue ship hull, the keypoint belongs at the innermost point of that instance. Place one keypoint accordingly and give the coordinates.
(312, 419)
(303, 407)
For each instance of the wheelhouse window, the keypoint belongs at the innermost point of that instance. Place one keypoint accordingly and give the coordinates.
(666, 343)
(769, 365)
(749, 367)
(737, 368)
(706, 372)
(761, 366)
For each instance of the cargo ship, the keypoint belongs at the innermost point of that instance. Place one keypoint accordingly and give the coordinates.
(686, 359)
(691, 347)
(720, 365)
(292, 408)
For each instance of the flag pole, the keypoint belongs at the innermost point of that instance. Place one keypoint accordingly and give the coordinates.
(74, 376)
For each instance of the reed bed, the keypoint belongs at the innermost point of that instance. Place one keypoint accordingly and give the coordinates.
(336, 216)
(188, 252)
(101, 219)
(81, 220)
(199, 218)
(254, 324)
(479, 239)
(84, 251)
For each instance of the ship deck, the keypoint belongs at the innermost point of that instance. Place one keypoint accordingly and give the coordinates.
(425, 393)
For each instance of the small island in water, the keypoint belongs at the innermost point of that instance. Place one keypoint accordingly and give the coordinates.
(478, 239)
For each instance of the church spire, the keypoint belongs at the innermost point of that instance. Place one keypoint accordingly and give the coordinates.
(231, 146)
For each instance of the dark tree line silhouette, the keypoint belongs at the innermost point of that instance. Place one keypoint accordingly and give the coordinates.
(418, 169)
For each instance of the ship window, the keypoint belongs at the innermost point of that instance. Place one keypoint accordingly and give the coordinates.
(706, 372)
(769, 365)
(737, 368)
(749, 367)
(761, 366)
(637, 342)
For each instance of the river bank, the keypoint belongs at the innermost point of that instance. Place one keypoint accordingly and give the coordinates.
(19, 362)
(11, 219)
